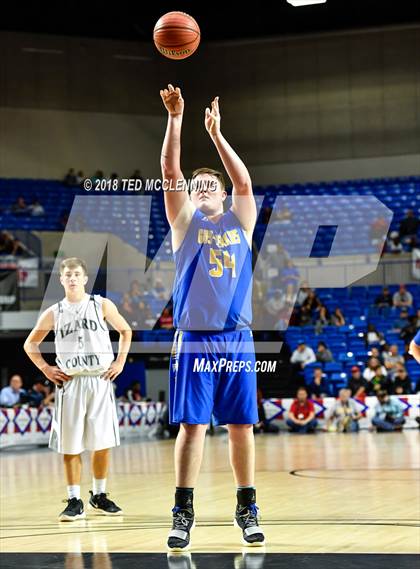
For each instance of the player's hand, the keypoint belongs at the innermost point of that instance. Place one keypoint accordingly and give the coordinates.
(54, 374)
(113, 371)
(212, 118)
(172, 99)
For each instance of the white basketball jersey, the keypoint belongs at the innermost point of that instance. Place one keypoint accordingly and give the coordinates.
(82, 341)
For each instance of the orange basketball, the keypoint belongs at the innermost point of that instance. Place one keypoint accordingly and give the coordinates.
(176, 35)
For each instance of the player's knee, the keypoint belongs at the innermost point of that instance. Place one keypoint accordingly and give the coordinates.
(193, 431)
(240, 430)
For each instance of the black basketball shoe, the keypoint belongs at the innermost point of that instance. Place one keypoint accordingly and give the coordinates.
(246, 518)
(182, 523)
(73, 511)
(103, 506)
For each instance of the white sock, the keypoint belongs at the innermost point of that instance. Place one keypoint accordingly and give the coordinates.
(73, 491)
(98, 486)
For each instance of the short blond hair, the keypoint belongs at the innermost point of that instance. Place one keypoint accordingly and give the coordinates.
(72, 263)
(212, 172)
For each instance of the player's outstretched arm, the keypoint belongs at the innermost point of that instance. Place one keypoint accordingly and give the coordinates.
(31, 346)
(177, 204)
(243, 202)
(120, 324)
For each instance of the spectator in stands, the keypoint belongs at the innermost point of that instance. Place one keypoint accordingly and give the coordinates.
(323, 319)
(99, 175)
(20, 207)
(11, 395)
(402, 298)
(273, 307)
(409, 330)
(384, 300)
(301, 416)
(276, 259)
(166, 321)
(70, 179)
(40, 393)
(357, 384)
(159, 290)
(290, 280)
(284, 317)
(409, 226)
(376, 376)
(80, 178)
(263, 425)
(344, 415)
(394, 244)
(337, 318)
(323, 354)
(373, 336)
(302, 356)
(133, 394)
(375, 353)
(318, 388)
(36, 208)
(303, 293)
(391, 359)
(401, 383)
(312, 302)
(378, 230)
(401, 321)
(389, 414)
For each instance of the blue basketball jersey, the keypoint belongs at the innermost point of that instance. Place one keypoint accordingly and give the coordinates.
(213, 280)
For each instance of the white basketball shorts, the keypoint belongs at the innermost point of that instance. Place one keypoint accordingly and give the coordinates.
(85, 416)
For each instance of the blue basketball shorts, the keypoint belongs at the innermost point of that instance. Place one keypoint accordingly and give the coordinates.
(213, 374)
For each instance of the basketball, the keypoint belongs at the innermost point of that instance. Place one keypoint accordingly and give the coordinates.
(176, 35)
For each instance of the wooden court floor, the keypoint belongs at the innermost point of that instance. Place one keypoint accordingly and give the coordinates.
(322, 493)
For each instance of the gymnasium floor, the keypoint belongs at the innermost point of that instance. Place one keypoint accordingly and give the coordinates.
(320, 495)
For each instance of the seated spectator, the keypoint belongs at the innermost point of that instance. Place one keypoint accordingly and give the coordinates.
(375, 374)
(312, 302)
(302, 356)
(391, 359)
(389, 414)
(402, 298)
(323, 319)
(394, 244)
(301, 416)
(41, 393)
(133, 394)
(337, 318)
(263, 425)
(303, 293)
(410, 329)
(373, 336)
(284, 317)
(323, 354)
(318, 388)
(378, 230)
(401, 383)
(344, 416)
(401, 321)
(80, 178)
(409, 226)
(273, 306)
(384, 300)
(20, 207)
(166, 321)
(11, 395)
(70, 179)
(290, 280)
(159, 290)
(36, 208)
(375, 353)
(357, 384)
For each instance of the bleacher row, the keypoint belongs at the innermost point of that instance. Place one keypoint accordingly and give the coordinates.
(347, 343)
(136, 225)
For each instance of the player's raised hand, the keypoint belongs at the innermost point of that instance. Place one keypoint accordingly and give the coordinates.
(113, 371)
(54, 374)
(172, 99)
(212, 118)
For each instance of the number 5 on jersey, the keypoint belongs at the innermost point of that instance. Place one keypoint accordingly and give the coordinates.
(222, 260)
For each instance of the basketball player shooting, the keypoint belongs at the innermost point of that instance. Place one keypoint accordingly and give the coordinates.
(85, 415)
(212, 315)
